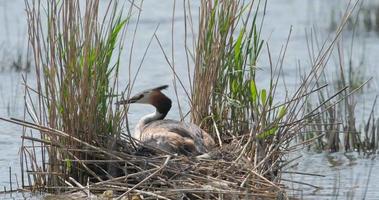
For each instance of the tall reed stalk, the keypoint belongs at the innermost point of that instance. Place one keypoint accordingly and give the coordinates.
(226, 53)
(227, 100)
(76, 55)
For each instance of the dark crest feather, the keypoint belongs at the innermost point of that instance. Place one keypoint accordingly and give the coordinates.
(160, 87)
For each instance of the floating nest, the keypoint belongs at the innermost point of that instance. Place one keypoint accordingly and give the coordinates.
(222, 174)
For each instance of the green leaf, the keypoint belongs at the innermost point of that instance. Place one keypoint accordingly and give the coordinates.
(253, 91)
(234, 86)
(68, 164)
(237, 49)
(263, 96)
(270, 100)
(282, 112)
(61, 109)
(268, 133)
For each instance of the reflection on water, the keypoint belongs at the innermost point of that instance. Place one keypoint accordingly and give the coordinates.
(345, 175)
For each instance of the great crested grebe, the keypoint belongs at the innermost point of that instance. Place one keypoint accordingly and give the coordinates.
(166, 134)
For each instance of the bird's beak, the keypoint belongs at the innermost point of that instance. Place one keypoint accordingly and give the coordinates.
(132, 99)
(128, 101)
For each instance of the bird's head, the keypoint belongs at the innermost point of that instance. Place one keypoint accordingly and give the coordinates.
(150, 96)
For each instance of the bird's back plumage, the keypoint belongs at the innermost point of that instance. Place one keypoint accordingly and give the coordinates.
(174, 136)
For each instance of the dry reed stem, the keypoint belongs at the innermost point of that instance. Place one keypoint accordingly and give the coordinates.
(147, 178)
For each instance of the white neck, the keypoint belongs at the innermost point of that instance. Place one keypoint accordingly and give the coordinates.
(145, 120)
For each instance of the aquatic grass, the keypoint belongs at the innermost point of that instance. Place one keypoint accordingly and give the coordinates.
(76, 66)
(340, 127)
(337, 129)
(226, 99)
(226, 53)
(366, 19)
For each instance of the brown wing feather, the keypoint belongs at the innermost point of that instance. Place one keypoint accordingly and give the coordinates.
(208, 140)
(171, 142)
(175, 136)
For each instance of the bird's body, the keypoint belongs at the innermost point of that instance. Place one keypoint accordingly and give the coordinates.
(169, 135)
(174, 136)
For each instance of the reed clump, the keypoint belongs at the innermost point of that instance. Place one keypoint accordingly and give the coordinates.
(226, 53)
(225, 97)
(337, 127)
(73, 47)
(228, 101)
